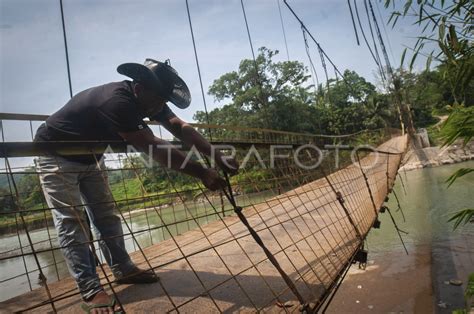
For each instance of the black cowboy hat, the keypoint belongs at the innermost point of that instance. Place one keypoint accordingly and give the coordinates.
(160, 76)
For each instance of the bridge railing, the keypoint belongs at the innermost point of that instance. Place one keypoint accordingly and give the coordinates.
(289, 184)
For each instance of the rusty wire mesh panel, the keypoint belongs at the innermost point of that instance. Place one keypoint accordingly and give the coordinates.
(311, 221)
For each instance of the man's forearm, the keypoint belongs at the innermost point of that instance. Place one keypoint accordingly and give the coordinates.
(192, 137)
(169, 156)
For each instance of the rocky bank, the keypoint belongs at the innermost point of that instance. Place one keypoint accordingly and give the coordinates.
(437, 156)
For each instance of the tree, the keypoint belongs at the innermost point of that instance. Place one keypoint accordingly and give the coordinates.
(422, 93)
(7, 203)
(29, 188)
(446, 36)
(264, 94)
(280, 98)
(355, 105)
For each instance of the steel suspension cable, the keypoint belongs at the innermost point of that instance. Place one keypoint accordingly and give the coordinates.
(385, 31)
(382, 45)
(313, 69)
(198, 68)
(321, 50)
(373, 39)
(261, 97)
(376, 60)
(353, 22)
(283, 29)
(65, 48)
(312, 37)
(314, 74)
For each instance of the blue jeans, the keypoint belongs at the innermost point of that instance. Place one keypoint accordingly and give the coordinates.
(67, 186)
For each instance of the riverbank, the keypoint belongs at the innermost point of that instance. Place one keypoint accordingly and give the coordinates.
(421, 282)
(437, 156)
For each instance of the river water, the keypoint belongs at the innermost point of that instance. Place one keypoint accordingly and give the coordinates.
(20, 274)
(395, 282)
(426, 206)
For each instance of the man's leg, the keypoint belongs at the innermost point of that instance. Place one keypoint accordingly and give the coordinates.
(95, 189)
(59, 181)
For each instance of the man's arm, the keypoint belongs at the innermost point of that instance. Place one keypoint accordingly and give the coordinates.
(167, 155)
(186, 133)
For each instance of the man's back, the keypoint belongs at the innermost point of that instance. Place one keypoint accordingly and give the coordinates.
(95, 114)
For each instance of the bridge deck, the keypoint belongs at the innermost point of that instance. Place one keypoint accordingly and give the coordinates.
(221, 268)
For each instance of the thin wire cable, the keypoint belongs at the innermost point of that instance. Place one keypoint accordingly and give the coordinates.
(65, 48)
(381, 41)
(385, 31)
(376, 60)
(321, 50)
(373, 41)
(353, 22)
(198, 68)
(283, 30)
(313, 69)
(262, 97)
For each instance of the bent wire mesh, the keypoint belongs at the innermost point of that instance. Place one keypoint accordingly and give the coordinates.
(298, 231)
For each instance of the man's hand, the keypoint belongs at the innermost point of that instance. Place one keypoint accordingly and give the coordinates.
(191, 137)
(212, 180)
(228, 164)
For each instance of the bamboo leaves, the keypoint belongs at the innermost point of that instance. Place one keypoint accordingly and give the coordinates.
(450, 28)
(462, 217)
(461, 172)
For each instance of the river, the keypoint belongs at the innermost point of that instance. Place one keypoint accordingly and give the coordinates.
(20, 274)
(395, 282)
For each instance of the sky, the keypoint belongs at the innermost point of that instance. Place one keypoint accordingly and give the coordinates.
(102, 34)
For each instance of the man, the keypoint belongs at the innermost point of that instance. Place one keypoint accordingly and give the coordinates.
(114, 111)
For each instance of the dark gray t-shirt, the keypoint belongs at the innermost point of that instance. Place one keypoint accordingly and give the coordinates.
(97, 114)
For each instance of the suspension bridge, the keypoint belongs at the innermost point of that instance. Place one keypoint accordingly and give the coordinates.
(282, 243)
(279, 238)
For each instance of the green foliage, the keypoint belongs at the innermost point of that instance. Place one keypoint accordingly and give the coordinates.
(470, 287)
(155, 178)
(280, 98)
(276, 97)
(460, 124)
(425, 92)
(354, 105)
(462, 217)
(459, 173)
(129, 188)
(353, 89)
(446, 32)
(247, 181)
(29, 189)
(468, 294)
(6, 200)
